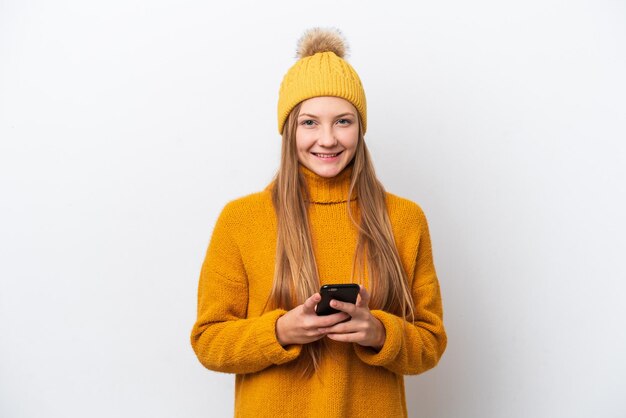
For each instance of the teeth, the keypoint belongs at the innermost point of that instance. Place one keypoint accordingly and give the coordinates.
(327, 155)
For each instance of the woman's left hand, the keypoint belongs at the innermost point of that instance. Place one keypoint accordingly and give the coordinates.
(364, 328)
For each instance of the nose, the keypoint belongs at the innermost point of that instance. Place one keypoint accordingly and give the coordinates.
(327, 137)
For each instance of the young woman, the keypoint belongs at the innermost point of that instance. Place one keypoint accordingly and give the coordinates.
(324, 219)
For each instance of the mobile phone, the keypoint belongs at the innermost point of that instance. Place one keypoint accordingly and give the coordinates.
(341, 292)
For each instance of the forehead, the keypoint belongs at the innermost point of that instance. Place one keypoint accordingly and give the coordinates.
(326, 105)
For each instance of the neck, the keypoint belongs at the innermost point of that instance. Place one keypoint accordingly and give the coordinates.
(328, 189)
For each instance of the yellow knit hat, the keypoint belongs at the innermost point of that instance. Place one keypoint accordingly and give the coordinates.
(320, 71)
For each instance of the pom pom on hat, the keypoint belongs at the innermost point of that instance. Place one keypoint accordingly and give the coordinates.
(321, 70)
(322, 40)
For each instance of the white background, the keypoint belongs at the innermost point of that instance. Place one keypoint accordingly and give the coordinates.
(126, 126)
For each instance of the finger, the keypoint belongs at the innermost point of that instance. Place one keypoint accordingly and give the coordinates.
(348, 338)
(346, 307)
(340, 328)
(364, 298)
(309, 305)
(330, 320)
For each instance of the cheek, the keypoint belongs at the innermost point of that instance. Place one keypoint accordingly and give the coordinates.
(350, 139)
(303, 140)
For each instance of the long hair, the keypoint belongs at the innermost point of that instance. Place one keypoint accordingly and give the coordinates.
(296, 276)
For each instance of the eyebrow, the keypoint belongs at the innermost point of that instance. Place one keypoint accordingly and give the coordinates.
(315, 116)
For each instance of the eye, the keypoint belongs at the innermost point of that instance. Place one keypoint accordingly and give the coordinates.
(307, 122)
(344, 122)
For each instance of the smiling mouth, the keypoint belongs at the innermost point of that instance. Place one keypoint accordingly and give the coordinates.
(326, 155)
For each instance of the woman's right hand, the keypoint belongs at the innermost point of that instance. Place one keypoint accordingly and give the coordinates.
(301, 325)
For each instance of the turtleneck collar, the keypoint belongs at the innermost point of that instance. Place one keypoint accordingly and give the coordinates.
(328, 190)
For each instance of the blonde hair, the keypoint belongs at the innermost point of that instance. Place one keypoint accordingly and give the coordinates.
(296, 276)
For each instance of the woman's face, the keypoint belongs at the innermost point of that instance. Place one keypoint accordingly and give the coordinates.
(327, 134)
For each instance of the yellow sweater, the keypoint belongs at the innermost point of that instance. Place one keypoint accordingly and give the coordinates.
(233, 335)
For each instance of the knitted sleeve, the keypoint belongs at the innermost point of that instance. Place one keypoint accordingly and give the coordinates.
(223, 337)
(413, 347)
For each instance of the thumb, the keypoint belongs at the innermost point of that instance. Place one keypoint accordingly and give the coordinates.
(364, 298)
(309, 305)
